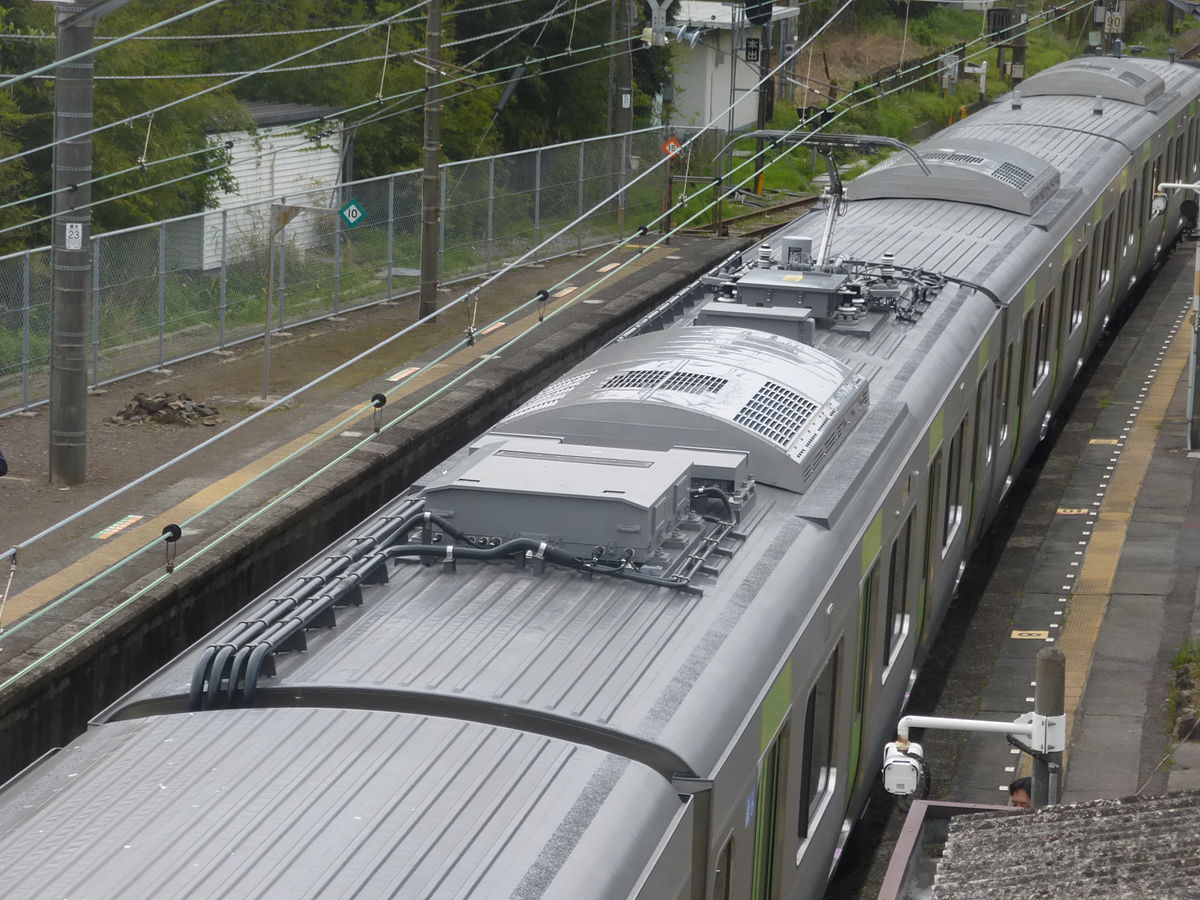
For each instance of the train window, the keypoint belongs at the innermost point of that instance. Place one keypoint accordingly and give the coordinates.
(1065, 299)
(896, 621)
(771, 783)
(1003, 387)
(817, 772)
(1028, 379)
(984, 418)
(931, 523)
(1080, 289)
(952, 510)
(1194, 155)
(1148, 189)
(1045, 321)
(1125, 230)
(721, 878)
(868, 590)
(1106, 252)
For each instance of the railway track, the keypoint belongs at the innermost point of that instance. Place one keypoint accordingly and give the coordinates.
(762, 221)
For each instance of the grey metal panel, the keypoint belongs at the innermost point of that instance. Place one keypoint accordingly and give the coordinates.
(776, 400)
(1097, 76)
(364, 804)
(972, 170)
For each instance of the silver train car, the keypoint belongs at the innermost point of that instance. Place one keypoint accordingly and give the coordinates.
(649, 637)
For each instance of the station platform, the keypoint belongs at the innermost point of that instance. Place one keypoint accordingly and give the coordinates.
(1102, 560)
(1096, 551)
(97, 606)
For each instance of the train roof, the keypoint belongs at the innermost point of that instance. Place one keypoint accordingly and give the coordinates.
(593, 650)
(365, 803)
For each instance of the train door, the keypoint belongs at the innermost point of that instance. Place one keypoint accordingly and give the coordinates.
(930, 555)
(864, 679)
(767, 833)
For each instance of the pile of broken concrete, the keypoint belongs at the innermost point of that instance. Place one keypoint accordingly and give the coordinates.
(167, 409)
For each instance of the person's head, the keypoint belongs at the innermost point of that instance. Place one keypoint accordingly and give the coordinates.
(1020, 793)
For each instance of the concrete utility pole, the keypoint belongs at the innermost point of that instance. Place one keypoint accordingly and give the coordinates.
(1049, 701)
(72, 251)
(1021, 11)
(623, 115)
(431, 176)
(71, 257)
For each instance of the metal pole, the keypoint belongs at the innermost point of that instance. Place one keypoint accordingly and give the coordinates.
(1021, 11)
(162, 291)
(766, 102)
(491, 234)
(537, 201)
(1049, 700)
(26, 311)
(266, 390)
(579, 215)
(71, 252)
(391, 236)
(441, 244)
(431, 175)
(95, 313)
(337, 264)
(224, 275)
(1194, 360)
(623, 117)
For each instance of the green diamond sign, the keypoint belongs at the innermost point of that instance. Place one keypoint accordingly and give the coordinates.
(353, 214)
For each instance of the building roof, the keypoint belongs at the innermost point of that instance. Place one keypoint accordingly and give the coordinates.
(720, 15)
(1135, 847)
(266, 114)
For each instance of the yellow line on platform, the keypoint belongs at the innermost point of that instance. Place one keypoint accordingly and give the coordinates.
(1088, 602)
(123, 544)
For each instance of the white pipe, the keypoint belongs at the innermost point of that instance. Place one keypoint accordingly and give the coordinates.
(1018, 727)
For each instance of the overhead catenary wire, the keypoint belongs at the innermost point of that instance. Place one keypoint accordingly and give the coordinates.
(467, 373)
(1060, 13)
(367, 120)
(211, 88)
(380, 116)
(16, 79)
(456, 11)
(299, 129)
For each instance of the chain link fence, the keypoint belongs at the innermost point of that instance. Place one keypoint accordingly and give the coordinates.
(171, 290)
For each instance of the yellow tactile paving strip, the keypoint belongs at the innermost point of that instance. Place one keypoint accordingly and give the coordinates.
(1089, 600)
(134, 539)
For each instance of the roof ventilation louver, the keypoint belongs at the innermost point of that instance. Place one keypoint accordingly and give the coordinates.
(951, 156)
(694, 383)
(1014, 175)
(786, 405)
(971, 171)
(1113, 79)
(550, 395)
(634, 380)
(776, 413)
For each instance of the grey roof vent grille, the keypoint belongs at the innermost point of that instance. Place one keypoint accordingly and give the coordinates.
(786, 405)
(634, 380)
(550, 395)
(776, 413)
(1108, 77)
(1014, 175)
(972, 170)
(951, 156)
(694, 383)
